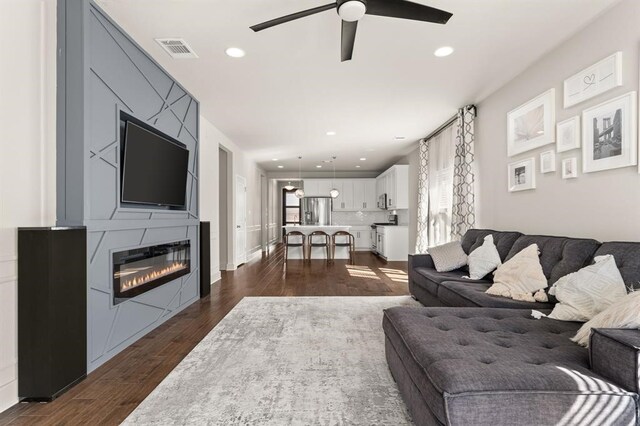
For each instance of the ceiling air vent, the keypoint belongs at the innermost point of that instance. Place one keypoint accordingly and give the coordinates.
(177, 48)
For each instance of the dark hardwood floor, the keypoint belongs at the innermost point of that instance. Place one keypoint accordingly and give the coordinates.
(114, 390)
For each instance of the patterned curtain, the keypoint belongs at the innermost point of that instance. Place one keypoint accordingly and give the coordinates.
(422, 241)
(463, 213)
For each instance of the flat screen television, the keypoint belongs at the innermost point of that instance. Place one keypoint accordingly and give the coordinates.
(154, 166)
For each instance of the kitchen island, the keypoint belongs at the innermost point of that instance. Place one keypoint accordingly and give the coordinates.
(317, 252)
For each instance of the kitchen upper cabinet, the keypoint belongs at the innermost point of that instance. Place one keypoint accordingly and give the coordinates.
(317, 187)
(344, 201)
(355, 194)
(370, 196)
(395, 183)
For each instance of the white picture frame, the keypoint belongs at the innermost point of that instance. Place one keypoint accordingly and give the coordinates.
(610, 135)
(532, 124)
(570, 168)
(568, 134)
(594, 80)
(522, 175)
(548, 162)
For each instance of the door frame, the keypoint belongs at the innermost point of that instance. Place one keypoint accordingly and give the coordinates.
(239, 258)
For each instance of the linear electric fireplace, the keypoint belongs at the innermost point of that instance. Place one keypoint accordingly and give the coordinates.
(139, 270)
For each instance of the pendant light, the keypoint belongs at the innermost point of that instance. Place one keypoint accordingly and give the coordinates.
(300, 191)
(288, 186)
(334, 192)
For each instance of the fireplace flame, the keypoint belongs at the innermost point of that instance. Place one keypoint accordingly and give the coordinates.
(151, 276)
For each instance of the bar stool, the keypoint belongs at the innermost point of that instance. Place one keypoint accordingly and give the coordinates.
(288, 243)
(349, 241)
(326, 243)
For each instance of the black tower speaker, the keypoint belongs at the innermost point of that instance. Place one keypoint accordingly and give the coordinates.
(52, 311)
(205, 259)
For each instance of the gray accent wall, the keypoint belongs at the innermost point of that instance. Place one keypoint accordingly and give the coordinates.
(102, 71)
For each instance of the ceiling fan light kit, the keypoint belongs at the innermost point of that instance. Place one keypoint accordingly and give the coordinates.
(351, 11)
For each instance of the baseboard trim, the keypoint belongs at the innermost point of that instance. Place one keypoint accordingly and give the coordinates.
(215, 277)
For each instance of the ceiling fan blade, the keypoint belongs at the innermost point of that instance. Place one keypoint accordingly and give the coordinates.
(348, 39)
(292, 17)
(407, 10)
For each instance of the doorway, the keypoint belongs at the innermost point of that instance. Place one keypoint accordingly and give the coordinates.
(291, 208)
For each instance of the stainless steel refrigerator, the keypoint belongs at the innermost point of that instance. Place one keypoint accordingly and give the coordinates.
(316, 211)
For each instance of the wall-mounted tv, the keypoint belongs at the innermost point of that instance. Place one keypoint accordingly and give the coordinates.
(154, 166)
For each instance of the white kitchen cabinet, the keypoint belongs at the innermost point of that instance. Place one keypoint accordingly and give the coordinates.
(395, 183)
(392, 242)
(355, 194)
(344, 201)
(317, 187)
(370, 197)
(362, 236)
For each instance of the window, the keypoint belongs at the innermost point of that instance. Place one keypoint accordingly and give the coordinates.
(441, 161)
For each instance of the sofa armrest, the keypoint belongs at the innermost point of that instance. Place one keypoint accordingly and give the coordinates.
(420, 261)
(615, 354)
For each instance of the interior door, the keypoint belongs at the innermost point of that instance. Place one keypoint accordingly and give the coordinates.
(241, 220)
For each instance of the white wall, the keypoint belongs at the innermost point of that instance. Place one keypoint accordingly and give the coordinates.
(603, 205)
(27, 154)
(243, 165)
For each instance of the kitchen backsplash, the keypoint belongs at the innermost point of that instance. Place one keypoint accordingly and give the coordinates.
(367, 218)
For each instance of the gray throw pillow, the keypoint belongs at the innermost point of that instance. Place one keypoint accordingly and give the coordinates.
(448, 257)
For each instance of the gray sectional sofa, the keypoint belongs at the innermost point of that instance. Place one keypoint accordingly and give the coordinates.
(468, 358)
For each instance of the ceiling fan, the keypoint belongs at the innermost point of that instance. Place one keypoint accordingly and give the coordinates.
(351, 11)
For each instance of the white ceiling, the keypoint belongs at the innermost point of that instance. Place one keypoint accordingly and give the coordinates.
(291, 88)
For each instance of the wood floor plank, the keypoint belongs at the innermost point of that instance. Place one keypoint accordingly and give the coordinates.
(109, 394)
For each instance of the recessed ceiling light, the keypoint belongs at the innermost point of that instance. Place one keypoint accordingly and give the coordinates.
(318, 166)
(274, 159)
(357, 167)
(331, 133)
(363, 159)
(235, 52)
(443, 51)
(281, 167)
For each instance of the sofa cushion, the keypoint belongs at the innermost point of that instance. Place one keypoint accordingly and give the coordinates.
(459, 294)
(431, 279)
(500, 366)
(559, 256)
(474, 238)
(627, 257)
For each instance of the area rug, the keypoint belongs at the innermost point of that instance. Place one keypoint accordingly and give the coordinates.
(285, 361)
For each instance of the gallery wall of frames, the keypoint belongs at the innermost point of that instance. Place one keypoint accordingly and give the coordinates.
(601, 137)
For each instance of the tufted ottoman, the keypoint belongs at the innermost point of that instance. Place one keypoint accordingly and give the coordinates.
(483, 366)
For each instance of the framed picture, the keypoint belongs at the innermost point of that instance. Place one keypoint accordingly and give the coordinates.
(548, 162)
(594, 80)
(570, 168)
(609, 134)
(531, 125)
(568, 134)
(522, 175)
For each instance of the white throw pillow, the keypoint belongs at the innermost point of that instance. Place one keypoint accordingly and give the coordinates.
(484, 259)
(584, 294)
(625, 313)
(520, 277)
(448, 257)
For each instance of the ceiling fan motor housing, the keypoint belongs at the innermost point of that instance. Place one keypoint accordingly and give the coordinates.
(351, 10)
